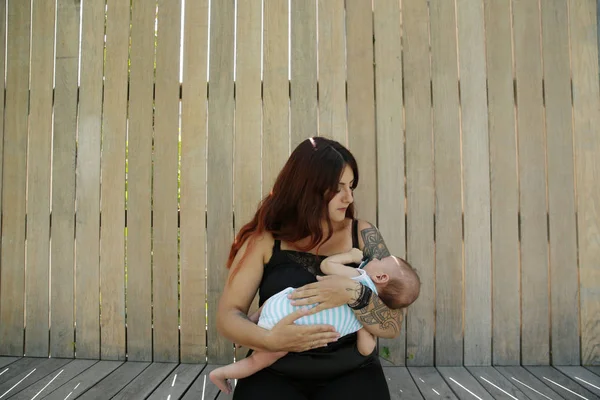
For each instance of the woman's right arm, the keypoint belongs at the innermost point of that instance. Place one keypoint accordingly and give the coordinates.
(234, 324)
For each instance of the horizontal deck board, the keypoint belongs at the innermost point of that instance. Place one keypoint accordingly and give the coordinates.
(47, 378)
(561, 383)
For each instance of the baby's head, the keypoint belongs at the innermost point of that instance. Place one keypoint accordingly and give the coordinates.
(397, 283)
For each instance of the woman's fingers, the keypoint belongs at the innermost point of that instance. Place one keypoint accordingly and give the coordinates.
(306, 301)
(303, 292)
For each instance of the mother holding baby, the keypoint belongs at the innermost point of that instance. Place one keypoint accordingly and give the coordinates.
(303, 351)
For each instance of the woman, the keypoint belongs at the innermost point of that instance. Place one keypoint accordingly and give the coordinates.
(308, 215)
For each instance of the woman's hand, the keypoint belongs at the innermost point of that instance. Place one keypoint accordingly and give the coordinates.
(287, 336)
(329, 292)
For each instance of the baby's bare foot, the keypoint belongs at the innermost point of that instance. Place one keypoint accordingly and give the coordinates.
(221, 381)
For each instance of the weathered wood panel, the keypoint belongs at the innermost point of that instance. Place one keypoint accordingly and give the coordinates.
(38, 180)
(586, 119)
(220, 168)
(62, 251)
(193, 183)
(303, 99)
(139, 182)
(165, 291)
(390, 149)
(476, 183)
(504, 186)
(12, 259)
(87, 223)
(532, 184)
(448, 181)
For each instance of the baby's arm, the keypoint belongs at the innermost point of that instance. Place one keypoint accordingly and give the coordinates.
(334, 265)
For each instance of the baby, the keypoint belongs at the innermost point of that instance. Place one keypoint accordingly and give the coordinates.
(385, 277)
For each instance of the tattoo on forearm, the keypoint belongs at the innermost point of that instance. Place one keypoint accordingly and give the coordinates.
(374, 244)
(355, 292)
(377, 313)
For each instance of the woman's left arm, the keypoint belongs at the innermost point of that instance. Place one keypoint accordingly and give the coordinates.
(333, 291)
(376, 317)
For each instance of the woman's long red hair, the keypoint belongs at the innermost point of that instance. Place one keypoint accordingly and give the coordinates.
(298, 202)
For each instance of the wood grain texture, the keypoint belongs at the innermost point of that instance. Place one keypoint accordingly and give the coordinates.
(62, 245)
(220, 168)
(431, 384)
(193, 184)
(276, 98)
(112, 191)
(390, 148)
(87, 223)
(361, 104)
(561, 190)
(12, 274)
(139, 182)
(586, 119)
(504, 185)
(332, 69)
(248, 112)
(165, 266)
(448, 182)
(38, 180)
(303, 100)
(2, 105)
(476, 183)
(535, 330)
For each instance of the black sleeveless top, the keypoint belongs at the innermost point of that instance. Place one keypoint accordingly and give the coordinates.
(290, 268)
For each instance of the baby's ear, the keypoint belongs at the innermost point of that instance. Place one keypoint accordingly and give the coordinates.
(382, 278)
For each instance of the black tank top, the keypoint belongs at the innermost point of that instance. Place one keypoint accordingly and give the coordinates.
(290, 268)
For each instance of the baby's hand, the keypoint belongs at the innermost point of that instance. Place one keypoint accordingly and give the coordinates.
(357, 255)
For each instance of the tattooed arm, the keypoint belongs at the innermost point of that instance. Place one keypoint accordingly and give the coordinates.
(376, 317)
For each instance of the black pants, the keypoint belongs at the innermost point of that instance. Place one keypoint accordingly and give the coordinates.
(362, 382)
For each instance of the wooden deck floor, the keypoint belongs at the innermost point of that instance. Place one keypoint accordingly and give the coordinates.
(62, 379)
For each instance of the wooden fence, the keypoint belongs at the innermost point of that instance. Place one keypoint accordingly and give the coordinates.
(474, 122)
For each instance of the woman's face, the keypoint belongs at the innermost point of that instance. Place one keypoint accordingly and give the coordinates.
(343, 197)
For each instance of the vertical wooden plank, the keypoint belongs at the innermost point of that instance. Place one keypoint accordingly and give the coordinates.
(87, 222)
(448, 182)
(561, 190)
(535, 332)
(361, 104)
(139, 182)
(248, 111)
(586, 119)
(390, 144)
(12, 274)
(276, 100)
(38, 180)
(332, 69)
(112, 205)
(506, 337)
(220, 168)
(166, 164)
(63, 180)
(193, 183)
(304, 70)
(476, 183)
(2, 87)
(419, 179)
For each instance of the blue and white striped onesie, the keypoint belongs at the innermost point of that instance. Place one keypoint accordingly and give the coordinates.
(342, 317)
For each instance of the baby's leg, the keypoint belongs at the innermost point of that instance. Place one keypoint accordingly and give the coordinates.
(365, 342)
(243, 368)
